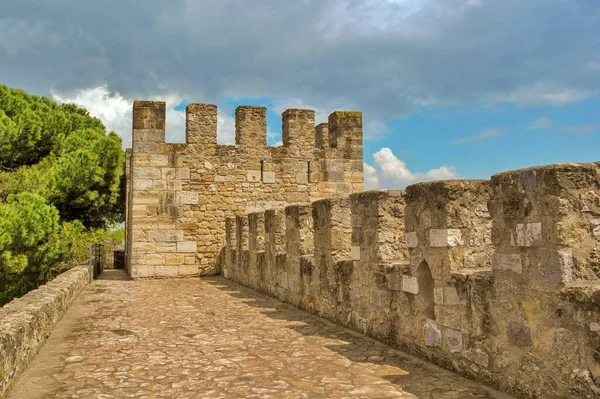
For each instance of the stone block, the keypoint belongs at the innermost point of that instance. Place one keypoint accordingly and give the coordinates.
(529, 234)
(168, 173)
(454, 340)
(146, 173)
(139, 210)
(142, 184)
(268, 177)
(519, 334)
(155, 259)
(190, 260)
(302, 178)
(411, 239)
(510, 262)
(566, 266)
(187, 246)
(161, 235)
(355, 252)
(438, 296)
(432, 335)
(165, 271)
(478, 356)
(440, 238)
(174, 259)
(187, 197)
(595, 228)
(449, 317)
(142, 271)
(451, 297)
(159, 185)
(187, 270)
(394, 281)
(253, 176)
(481, 210)
(425, 219)
(410, 284)
(159, 160)
(182, 173)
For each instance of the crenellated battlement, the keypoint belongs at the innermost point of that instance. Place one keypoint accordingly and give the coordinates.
(180, 193)
(341, 135)
(497, 279)
(479, 276)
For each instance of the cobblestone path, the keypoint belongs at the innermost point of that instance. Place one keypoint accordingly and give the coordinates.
(210, 338)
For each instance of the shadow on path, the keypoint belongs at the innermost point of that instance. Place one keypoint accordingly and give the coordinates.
(416, 376)
(114, 274)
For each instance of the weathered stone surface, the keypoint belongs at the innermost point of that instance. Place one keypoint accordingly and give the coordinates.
(510, 262)
(194, 186)
(26, 322)
(478, 356)
(213, 338)
(440, 238)
(187, 197)
(268, 177)
(411, 239)
(410, 284)
(433, 336)
(355, 252)
(254, 176)
(519, 334)
(451, 297)
(186, 246)
(454, 340)
(529, 234)
(595, 228)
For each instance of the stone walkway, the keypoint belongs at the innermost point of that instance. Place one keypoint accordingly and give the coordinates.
(210, 338)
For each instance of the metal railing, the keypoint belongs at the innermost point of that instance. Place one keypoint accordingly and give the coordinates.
(97, 259)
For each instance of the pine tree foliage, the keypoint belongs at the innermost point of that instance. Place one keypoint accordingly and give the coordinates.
(60, 186)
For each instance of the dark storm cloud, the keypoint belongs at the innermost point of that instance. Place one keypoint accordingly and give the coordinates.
(384, 57)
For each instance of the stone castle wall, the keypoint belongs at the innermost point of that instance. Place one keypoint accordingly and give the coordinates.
(498, 280)
(26, 322)
(179, 195)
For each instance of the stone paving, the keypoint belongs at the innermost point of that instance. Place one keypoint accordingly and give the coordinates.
(211, 338)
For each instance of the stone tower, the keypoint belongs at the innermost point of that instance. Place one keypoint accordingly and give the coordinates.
(179, 195)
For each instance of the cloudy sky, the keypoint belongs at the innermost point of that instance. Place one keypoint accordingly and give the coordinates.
(448, 88)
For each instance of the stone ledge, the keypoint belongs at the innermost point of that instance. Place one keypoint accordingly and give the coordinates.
(26, 322)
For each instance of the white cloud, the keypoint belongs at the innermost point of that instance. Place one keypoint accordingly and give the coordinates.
(115, 111)
(412, 53)
(370, 175)
(112, 109)
(483, 135)
(225, 128)
(375, 129)
(23, 36)
(581, 129)
(543, 122)
(391, 172)
(544, 93)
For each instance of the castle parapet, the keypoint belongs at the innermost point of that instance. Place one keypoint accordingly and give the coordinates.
(434, 271)
(148, 125)
(201, 126)
(251, 127)
(298, 130)
(346, 133)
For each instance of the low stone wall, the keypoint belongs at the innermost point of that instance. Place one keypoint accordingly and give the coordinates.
(26, 322)
(497, 279)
